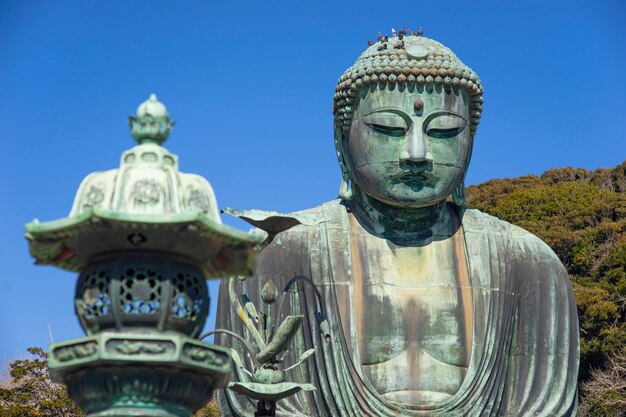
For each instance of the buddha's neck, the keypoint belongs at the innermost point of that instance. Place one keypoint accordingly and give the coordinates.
(401, 225)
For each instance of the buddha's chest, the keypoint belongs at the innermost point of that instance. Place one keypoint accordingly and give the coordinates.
(413, 318)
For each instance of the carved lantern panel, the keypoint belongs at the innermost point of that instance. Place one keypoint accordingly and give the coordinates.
(142, 290)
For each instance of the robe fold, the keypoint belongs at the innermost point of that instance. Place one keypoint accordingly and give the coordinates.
(525, 346)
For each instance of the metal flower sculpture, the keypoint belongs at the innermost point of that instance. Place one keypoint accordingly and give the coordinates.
(266, 383)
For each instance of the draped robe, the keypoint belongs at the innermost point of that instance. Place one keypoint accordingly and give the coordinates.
(525, 346)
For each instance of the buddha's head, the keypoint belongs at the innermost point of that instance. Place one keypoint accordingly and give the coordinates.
(405, 117)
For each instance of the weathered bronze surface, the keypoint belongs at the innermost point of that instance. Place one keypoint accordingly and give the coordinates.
(432, 309)
(267, 349)
(145, 237)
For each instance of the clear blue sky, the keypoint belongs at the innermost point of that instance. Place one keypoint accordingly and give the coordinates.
(250, 85)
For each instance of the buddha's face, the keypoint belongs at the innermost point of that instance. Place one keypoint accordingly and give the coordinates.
(408, 146)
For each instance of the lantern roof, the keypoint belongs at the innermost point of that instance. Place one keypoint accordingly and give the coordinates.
(146, 204)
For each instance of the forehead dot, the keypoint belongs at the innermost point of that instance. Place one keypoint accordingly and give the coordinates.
(418, 105)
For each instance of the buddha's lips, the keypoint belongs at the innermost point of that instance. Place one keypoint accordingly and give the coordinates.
(414, 176)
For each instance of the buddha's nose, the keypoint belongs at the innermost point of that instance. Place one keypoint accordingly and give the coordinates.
(416, 148)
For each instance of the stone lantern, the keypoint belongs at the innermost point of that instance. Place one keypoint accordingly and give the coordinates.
(144, 239)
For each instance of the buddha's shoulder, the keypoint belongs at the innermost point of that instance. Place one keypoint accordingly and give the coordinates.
(273, 224)
(331, 211)
(329, 215)
(479, 224)
(477, 221)
(474, 222)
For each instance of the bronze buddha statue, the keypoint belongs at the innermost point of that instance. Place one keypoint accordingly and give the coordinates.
(434, 309)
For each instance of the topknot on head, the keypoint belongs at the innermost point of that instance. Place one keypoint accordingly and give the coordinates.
(407, 58)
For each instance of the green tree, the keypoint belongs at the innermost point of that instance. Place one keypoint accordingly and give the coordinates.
(31, 392)
(582, 215)
(210, 410)
(604, 394)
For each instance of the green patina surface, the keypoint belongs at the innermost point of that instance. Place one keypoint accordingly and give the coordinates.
(431, 309)
(124, 347)
(267, 347)
(144, 237)
(70, 243)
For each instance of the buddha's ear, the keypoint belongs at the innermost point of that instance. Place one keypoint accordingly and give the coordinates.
(340, 139)
(458, 196)
(346, 191)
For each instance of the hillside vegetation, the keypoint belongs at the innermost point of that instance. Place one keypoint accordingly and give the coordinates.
(581, 214)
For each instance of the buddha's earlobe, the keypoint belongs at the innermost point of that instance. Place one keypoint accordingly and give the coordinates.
(346, 192)
(458, 196)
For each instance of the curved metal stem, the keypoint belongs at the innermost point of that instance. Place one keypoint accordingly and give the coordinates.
(236, 336)
(234, 300)
(282, 299)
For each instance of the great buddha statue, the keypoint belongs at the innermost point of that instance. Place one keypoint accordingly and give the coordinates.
(433, 309)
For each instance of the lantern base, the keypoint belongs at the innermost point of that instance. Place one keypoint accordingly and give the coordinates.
(137, 412)
(115, 374)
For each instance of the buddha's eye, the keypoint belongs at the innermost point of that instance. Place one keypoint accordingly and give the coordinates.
(387, 130)
(389, 124)
(443, 126)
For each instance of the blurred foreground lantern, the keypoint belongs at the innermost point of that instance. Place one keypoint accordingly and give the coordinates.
(144, 237)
